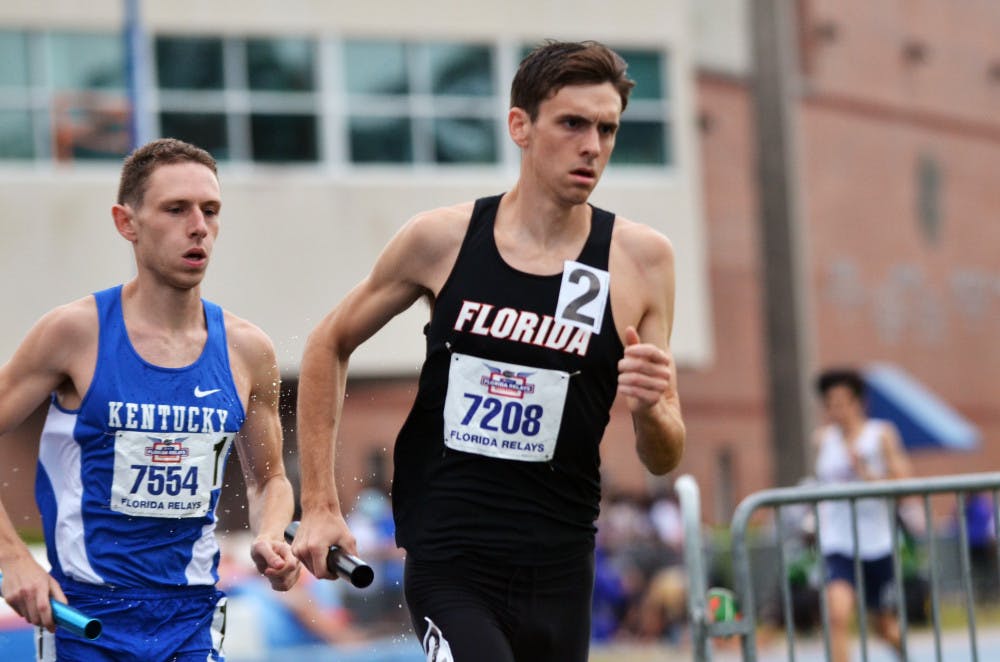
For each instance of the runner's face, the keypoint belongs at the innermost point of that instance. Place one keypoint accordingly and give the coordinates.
(571, 140)
(177, 223)
(842, 405)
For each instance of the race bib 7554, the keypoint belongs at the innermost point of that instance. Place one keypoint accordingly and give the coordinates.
(167, 475)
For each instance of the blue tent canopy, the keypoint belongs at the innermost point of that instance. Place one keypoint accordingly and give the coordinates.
(923, 419)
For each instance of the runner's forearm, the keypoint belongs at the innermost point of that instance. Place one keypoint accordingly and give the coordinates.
(11, 545)
(322, 384)
(659, 437)
(272, 506)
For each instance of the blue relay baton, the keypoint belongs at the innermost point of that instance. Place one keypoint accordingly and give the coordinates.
(74, 620)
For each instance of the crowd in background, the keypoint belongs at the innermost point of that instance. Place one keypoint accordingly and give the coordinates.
(640, 586)
(639, 591)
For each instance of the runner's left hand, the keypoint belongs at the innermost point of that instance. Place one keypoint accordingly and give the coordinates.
(644, 372)
(274, 560)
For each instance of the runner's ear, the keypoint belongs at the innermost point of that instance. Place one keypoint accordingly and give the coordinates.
(123, 216)
(518, 125)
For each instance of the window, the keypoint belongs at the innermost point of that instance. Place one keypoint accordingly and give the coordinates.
(420, 102)
(13, 60)
(260, 99)
(725, 493)
(90, 108)
(243, 99)
(15, 134)
(644, 135)
(206, 129)
(929, 192)
(15, 106)
(190, 75)
(189, 63)
(280, 65)
(62, 93)
(283, 66)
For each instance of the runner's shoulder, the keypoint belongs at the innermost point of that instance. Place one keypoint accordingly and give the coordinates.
(248, 339)
(70, 324)
(442, 224)
(436, 234)
(642, 241)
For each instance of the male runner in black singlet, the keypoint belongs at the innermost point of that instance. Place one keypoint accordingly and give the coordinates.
(543, 308)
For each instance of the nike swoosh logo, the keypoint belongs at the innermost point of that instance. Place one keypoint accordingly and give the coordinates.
(198, 393)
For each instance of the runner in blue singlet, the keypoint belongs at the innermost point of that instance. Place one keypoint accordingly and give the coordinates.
(150, 387)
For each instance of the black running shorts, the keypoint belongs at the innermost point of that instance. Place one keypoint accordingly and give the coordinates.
(467, 610)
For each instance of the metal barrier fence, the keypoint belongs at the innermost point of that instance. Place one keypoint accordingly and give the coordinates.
(704, 628)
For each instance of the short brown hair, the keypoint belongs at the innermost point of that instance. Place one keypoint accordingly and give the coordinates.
(555, 64)
(848, 377)
(141, 163)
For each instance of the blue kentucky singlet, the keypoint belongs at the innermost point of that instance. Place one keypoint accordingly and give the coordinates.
(127, 484)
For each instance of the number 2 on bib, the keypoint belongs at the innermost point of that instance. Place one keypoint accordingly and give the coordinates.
(583, 296)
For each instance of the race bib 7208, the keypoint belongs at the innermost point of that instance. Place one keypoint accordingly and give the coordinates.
(503, 410)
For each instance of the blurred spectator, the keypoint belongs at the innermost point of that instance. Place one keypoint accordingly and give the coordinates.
(981, 532)
(618, 580)
(373, 527)
(371, 522)
(640, 587)
(662, 610)
(623, 521)
(850, 447)
(665, 515)
(611, 598)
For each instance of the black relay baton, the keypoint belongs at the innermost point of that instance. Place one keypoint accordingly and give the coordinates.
(339, 562)
(71, 619)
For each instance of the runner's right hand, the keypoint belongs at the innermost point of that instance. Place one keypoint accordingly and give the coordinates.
(28, 589)
(317, 532)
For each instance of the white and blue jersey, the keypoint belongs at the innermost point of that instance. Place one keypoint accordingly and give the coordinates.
(128, 483)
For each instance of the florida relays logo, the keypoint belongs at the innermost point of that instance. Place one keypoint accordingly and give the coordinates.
(507, 383)
(167, 451)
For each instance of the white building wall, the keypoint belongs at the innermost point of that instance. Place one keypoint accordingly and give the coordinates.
(295, 239)
(721, 34)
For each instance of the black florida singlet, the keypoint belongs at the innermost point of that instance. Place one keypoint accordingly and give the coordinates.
(498, 458)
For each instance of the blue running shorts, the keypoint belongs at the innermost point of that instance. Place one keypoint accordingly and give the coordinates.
(180, 624)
